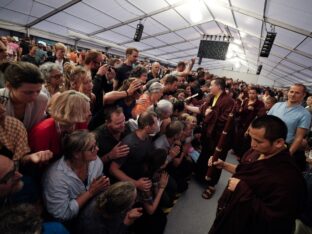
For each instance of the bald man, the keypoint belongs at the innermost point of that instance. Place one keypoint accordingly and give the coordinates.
(155, 72)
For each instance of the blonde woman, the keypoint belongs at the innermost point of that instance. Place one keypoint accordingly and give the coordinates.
(59, 57)
(70, 109)
(86, 87)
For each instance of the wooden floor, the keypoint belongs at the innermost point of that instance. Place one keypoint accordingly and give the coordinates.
(192, 214)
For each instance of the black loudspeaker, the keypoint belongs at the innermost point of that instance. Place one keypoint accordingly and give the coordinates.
(259, 69)
(213, 49)
(138, 32)
(267, 44)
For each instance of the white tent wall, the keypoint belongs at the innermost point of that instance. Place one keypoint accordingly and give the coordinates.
(247, 77)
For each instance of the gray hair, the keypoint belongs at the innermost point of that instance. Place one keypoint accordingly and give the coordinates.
(162, 107)
(77, 141)
(47, 68)
(155, 87)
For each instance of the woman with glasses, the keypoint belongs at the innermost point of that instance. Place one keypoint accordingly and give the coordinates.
(75, 178)
(69, 110)
(53, 76)
(25, 102)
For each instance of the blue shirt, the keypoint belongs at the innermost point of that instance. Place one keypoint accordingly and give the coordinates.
(61, 187)
(294, 117)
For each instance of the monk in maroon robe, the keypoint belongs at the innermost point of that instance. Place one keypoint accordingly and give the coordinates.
(247, 111)
(215, 112)
(266, 192)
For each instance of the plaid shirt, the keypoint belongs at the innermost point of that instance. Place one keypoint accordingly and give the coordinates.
(13, 136)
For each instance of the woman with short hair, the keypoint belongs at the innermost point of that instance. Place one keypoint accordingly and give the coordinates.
(53, 76)
(75, 178)
(68, 110)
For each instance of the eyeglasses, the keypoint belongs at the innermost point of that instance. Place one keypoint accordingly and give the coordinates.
(93, 148)
(8, 176)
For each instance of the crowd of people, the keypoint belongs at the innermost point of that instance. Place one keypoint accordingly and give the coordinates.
(103, 144)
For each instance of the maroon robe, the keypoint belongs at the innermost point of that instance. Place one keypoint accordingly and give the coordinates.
(213, 126)
(267, 200)
(244, 116)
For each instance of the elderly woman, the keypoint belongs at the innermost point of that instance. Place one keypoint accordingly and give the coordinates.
(69, 109)
(25, 102)
(164, 110)
(53, 76)
(75, 178)
(151, 97)
(111, 211)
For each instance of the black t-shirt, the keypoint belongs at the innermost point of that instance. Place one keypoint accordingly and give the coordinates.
(100, 86)
(123, 73)
(133, 164)
(106, 142)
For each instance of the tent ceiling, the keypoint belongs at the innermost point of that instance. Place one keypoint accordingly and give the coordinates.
(171, 35)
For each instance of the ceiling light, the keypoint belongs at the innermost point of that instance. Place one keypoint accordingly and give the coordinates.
(238, 42)
(243, 34)
(195, 13)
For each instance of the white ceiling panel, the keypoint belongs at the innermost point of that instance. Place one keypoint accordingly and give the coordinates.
(297, 13)
(184, 46)
(188, 33)
(73, 22)
(29, 7)
(306, 46)
(291, 65)
(156, 51)
(282, 68)
(300, 59)
(170, 19)
(248, 24)
(253, 6)
(18, 18)
(113, 37)
(279, 51)
(169, 49)
(307, 73)
(220, 13)
(170, 38)
(300, 77)
(151, 26)
(139, 46)
(287, 37)
(151, 6)
(53, 28)
(186, 9)
(119, 9)
(92, 15)
(125, 30)
(211, 28)
(54, 3)
(153, 42)
(3, 3)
